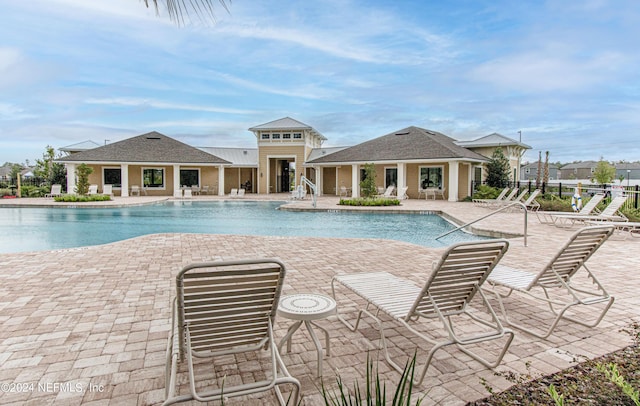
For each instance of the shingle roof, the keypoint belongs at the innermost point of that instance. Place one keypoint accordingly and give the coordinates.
(318, 152)
(411, 143)
(491, 140)
(150, 147)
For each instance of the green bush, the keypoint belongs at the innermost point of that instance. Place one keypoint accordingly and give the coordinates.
(33, 191)
(80, 199)
(361, 201)
(486, 192)
(5, 192)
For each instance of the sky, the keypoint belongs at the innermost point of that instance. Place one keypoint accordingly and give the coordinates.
(562, 75)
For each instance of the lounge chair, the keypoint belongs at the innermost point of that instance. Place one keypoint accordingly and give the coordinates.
(344, 192)
(451, 285)
(241, 192)
(107, 190)
(591, 206)
(135, 190)
(187, 193)
(233, 193)
(93, 189)
(531, 204)
(553, 284)
(501, 197)
(402, 193)
(421, 192)
(388, 192)
(56, 190)
(510, 199)
(631, 228)
(222, 309)
(610, 213)
(205, 190)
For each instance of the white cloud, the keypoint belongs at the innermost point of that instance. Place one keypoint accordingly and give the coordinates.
(157, 104)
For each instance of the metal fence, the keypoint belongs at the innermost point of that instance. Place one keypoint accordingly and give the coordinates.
(568, 189)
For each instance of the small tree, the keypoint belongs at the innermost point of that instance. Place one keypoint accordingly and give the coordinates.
(545, 177)
(82, 184)
(498, 169)
(368, 184)
(604, 172)
(51, 172)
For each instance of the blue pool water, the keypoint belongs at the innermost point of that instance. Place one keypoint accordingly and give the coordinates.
(36, 229)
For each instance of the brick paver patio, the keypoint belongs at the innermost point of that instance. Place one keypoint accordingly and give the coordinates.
(89, 325)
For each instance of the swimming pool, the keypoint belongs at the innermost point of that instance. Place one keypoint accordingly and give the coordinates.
(36, 229)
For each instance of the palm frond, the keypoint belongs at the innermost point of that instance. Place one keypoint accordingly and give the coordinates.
(180, 9)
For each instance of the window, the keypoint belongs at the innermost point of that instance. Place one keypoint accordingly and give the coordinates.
(286, 136)
(390, 177)
(275, 136)
(112, 176)
(265, 136)
(153, 178)
(189, 177)
(297, 136)
(431, 177)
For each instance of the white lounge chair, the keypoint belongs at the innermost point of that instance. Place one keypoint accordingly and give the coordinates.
(187, 193)
(388, 192)
(241, 192)
(226, 309)
(344, 192)
(233, 193)
(591, 206)
(501, 197)
(402, 193)
(444, 298)
(107, 190)
(553, 284)
(93, 189)
(56, 190)
(629, 228)
(610, 213)
(205, 190)
(135, 190)
(531, 203)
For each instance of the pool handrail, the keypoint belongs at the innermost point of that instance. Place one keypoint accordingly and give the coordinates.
(524, 209)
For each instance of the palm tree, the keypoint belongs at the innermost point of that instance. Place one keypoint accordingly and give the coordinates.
(179, 9)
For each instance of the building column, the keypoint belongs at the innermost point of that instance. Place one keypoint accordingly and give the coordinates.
(71, 178)
(355, 181)
(124, 180)
(319, 180)
(402, 177)
(177, 192)
(469, 179)
(220, 180)
(453, 181)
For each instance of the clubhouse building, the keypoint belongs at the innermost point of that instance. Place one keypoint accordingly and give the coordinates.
(412, 157)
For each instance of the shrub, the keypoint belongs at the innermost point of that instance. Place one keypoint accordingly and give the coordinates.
(486, 192)
(80, 199)
(360, 201)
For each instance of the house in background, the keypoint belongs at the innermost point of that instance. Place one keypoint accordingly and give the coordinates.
(512, 149)
(530, 171)
(627, 171)
(577, 170)
(413, 157)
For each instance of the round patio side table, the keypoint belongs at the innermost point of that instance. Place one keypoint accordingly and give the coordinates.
(307, 308)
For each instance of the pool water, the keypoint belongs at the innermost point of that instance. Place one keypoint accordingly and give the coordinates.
(35, 229)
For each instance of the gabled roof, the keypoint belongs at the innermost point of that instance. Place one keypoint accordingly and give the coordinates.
(492, 140)
(580, 165)
(80, 146)
(319, 152)
(243, 157)
(286, 123)
(534, 165)
(151, 147)
(411, 143)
